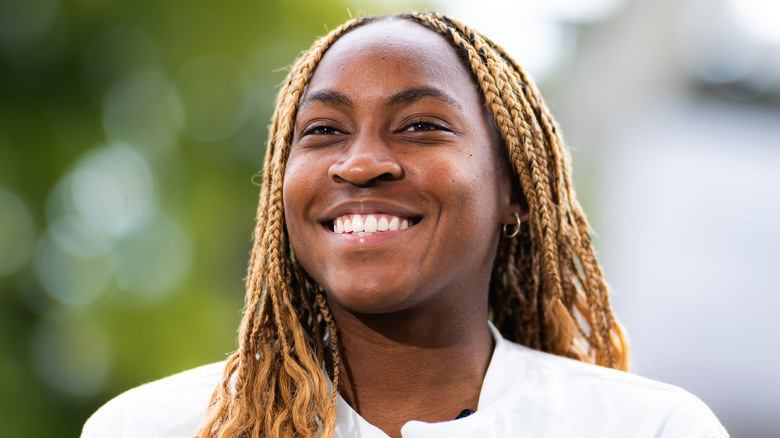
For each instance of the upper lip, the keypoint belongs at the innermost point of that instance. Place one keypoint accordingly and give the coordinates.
(368, 206)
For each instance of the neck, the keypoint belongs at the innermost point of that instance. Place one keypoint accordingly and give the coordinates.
(415, 365)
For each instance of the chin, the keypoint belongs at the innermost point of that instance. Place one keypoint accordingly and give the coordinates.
(373, 298)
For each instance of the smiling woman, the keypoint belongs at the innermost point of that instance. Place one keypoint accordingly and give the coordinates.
(419, 258)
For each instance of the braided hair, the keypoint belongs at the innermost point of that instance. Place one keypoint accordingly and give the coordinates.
(547, 290)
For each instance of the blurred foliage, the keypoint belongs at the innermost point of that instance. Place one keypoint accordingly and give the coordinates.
(129, 136)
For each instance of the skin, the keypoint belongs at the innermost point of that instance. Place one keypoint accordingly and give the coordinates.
(393, 123)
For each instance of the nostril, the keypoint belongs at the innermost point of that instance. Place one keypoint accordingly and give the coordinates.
(365, 161)
(388, 176)
(367, 172)
(365, 175)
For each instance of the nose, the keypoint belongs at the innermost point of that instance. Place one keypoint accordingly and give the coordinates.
(365, 162)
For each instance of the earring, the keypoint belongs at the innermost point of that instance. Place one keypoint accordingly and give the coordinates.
(509, 235)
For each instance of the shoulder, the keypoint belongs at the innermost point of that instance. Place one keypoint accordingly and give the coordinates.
(171, 407)
(583, 396)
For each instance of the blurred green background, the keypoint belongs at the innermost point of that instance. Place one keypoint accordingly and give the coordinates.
(130, 134)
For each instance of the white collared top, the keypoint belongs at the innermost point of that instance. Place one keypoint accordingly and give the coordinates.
(526, 393)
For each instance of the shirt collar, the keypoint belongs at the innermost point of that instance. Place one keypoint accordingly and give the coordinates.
(500, 370)
(501, 373)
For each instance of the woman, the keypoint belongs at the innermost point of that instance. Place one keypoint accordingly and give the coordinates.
(416, 188)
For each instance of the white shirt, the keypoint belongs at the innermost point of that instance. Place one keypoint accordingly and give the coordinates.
(526, 393)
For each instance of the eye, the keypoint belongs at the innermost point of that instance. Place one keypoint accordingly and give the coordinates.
(421, 125)
(322, 130)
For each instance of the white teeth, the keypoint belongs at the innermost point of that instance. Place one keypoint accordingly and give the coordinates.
(394, 224)
(357, 224)
(368, 224)
(382, 225)
(371, 224)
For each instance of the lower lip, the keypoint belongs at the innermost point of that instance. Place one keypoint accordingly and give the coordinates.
(371, 239)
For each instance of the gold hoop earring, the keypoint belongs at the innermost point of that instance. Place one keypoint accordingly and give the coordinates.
(514, 232)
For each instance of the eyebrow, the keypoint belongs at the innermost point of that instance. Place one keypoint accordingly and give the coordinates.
(327, 96)
(417, 93)
(406, 96)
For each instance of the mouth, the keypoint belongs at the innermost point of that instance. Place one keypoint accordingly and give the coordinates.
(368, 224)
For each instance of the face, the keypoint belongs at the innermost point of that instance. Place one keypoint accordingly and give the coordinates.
(394, 191)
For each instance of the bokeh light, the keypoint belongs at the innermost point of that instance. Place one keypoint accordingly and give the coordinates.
(112, 189)
(759, 18)
(72, 356)
(76, 236)
(152, 260)
(106, 229)
(72, 278)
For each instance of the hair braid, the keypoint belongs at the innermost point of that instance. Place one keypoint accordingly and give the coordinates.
(547, 290)
(605, 332)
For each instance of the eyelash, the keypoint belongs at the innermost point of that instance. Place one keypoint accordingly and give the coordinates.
(428, 126)
(418, 126)
(321, 130)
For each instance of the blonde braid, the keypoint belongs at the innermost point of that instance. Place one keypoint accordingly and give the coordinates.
(604, 328)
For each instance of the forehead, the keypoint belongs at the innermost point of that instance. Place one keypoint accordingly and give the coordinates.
(391, 53)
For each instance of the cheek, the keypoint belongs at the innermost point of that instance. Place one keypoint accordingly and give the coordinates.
(297, 190)
(475, 182)
(296, 195)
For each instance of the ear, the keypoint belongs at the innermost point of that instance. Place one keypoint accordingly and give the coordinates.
(511, 195)
(514, 203)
